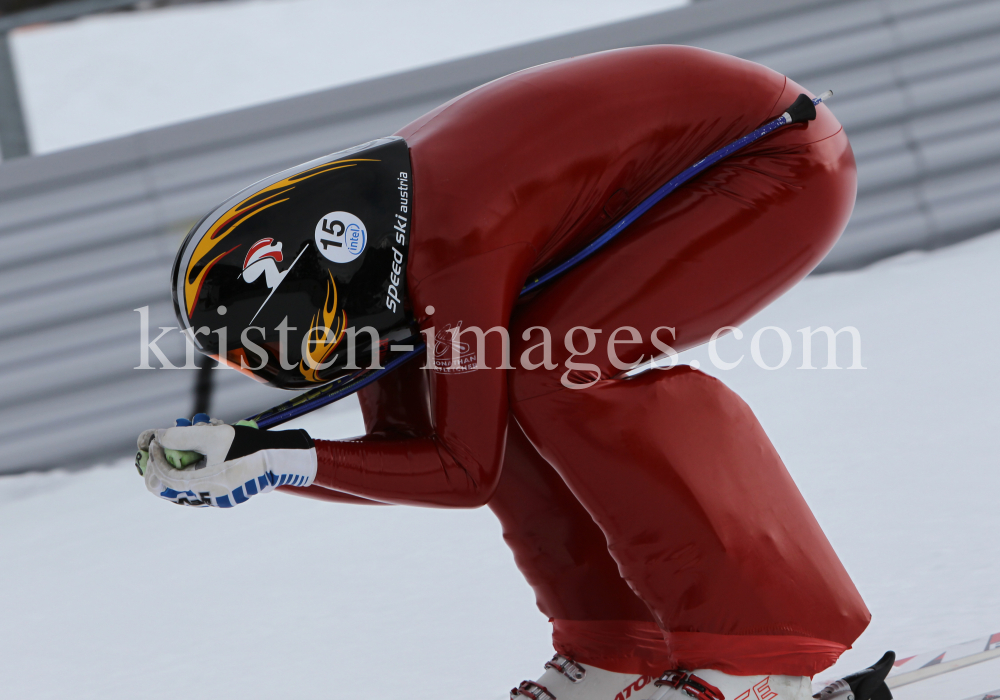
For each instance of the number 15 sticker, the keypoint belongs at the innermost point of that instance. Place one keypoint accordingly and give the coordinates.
(341, 237)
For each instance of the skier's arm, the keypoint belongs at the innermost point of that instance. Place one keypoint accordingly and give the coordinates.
(323, 494)
(395, 405)
(458, 465)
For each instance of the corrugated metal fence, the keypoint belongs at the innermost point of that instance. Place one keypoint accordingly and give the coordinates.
(88, 235)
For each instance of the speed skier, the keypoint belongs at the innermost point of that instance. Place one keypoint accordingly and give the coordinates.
(656, 523)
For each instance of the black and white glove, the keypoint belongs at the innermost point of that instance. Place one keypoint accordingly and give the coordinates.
(214, 464)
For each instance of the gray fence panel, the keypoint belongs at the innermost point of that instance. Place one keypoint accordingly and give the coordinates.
(89, 234)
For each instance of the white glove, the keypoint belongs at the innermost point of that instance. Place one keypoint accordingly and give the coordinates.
(236, 462)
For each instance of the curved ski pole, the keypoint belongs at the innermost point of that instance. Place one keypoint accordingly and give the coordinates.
(803, 109)
(329, 393)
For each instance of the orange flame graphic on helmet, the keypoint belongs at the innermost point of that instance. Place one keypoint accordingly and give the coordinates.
(326, 330)
(194, 277)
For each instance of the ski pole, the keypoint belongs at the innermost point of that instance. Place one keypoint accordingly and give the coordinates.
(803, 109)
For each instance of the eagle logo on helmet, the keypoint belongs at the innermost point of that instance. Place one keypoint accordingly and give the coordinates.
(262, 259)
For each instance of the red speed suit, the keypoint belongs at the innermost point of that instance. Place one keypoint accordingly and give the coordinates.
(652, 516)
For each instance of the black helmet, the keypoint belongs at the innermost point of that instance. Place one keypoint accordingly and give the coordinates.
(275, 278)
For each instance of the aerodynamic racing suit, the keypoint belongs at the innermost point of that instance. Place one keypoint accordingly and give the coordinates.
(651, 515)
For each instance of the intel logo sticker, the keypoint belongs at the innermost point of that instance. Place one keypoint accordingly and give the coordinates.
(341, 237)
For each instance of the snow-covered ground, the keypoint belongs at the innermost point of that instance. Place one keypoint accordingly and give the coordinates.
(107, 592)
(111, 75)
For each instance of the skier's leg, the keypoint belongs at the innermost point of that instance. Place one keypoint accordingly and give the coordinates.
(561, 552)
(698, 510)
(596, 617)
(704, 521)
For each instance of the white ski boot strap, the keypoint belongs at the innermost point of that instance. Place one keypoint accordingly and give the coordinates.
(567, 679)
(532, 691)
(573, 671)
(690, 684)
(569, 668)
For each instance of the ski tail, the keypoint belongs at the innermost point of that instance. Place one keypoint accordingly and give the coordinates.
(933, 663)
(867, 684)
(992, 695)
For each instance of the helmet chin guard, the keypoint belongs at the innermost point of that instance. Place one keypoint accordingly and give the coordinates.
(300, 278)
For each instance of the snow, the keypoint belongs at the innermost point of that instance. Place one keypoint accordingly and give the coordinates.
(107, 592)
(111, 75)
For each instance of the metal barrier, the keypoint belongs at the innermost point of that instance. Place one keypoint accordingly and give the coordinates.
(88, 235)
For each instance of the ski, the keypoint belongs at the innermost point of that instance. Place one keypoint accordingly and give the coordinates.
(916, 668)
(992, 695)
(911, 669)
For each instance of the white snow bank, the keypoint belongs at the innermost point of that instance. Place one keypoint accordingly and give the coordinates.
(106, 592)
(111, 75)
